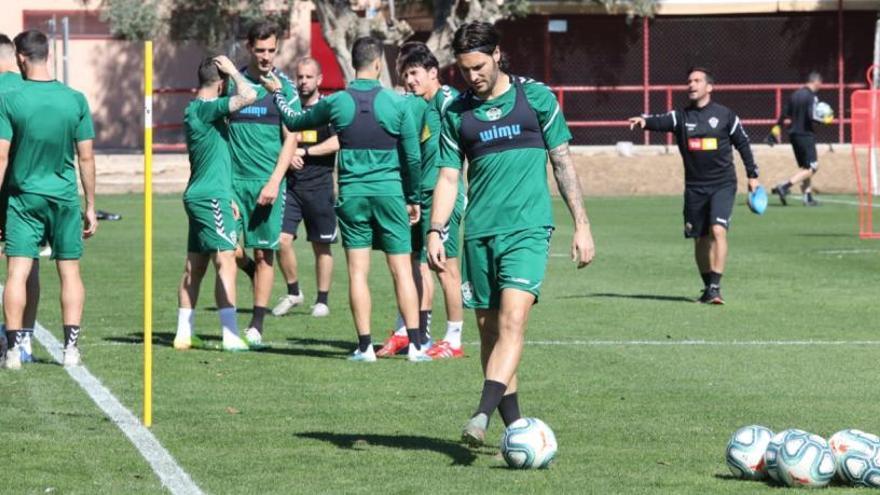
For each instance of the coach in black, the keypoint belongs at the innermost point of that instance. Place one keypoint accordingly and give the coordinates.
(800, 110)
(705, 132)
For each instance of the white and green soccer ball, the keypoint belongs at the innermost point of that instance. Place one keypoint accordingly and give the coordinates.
(528, 443)
(804, 459)
(745, 452)
(851, 439)
(861, 468)
(771, 455)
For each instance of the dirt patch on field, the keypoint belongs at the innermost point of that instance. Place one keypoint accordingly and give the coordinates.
(604, 171)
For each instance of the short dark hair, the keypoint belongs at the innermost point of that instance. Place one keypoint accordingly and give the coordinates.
(4, 40)
(475, 37)
(710, 78)
(308, 61)
(814, 76)
(261, 30)
(364, 51)
(208, 72)
(417, 55)
(33, 45)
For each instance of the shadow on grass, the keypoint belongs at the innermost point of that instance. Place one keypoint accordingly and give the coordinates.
(649, 297)
(237, 310)
(460, 455)
(348, 346)
(165, 339)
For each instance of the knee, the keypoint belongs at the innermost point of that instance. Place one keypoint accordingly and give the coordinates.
(286, 240)
(515, 319)
(719, 232)
(264, 257)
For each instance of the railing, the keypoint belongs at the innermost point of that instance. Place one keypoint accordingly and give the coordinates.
(776, 89)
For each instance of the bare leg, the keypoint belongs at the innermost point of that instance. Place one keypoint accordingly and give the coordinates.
(405, 288)
(224, 285)
(264, 276)
(18, 270)
(287, 258)
(719, 248)
(190, 283)
(323, 266)
(33, 296)
(450, 281)
(73, 293)
(359, 289)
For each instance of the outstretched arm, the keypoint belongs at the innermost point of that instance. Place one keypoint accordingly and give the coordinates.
(582, 248)
(664, 122)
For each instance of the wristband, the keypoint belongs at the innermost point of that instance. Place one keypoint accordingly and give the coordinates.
(305, 151)
(438, 231)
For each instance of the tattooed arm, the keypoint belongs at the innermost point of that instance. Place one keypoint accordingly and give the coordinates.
(245, 94)
(582, 249)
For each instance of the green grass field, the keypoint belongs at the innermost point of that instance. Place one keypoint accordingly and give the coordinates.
(635, 409)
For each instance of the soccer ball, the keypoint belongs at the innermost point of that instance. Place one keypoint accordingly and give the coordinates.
(860, 468)
(771, 456)
(823, 113)
(846, 440)
(528, 443)
(745, 452)
(804, 459)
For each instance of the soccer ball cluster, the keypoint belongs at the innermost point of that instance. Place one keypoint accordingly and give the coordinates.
(801, 459)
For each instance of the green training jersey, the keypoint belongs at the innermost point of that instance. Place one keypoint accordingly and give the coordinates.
(207, 142)
(10, 81)
(505, 140)
(365, 170)
(430, 137)
(255, 135)
(44, 120)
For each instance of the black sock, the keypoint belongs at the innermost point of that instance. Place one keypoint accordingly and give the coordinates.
(509, 409)
(705, 277)
(257, 318)
(322, 297)
(787, 185)
(491, 397)
(364, 342)
(424, 326)
(714, 279)
(293, 288)
(13, 337)
(71, 335)
(414, 337)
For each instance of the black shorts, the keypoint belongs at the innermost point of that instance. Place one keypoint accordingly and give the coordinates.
(804, 146)
(317, 208)
(707, 206)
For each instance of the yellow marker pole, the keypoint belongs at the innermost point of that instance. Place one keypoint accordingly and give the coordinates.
(148, 234)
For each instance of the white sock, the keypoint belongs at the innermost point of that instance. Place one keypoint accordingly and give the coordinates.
(400, 325)
(228, 322)
(185, 318)
(453, 333)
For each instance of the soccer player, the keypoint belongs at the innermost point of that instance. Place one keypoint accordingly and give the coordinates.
(310, 199)
(208, 201)
(504, 126)
(800, 110)
(43, 197)
(419, 72)
(706, 133)
(10, 80)
(261, 151)
(378, 188)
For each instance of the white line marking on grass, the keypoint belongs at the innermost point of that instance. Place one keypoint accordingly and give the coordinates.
(843, 202)
(684, 343)
(173, 477)
(848, 251)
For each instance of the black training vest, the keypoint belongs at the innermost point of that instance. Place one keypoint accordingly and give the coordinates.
(317, 172)
(365, 131)
(518, 129)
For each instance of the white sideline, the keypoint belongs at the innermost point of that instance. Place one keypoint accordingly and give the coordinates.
(717, 343)
(173, 477)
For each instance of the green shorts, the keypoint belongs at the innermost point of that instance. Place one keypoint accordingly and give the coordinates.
(380, 222)
(33, 219)
(259, 225)
(514, 260)
(450, 233)
(211, 225)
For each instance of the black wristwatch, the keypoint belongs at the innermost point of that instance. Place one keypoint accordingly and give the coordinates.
(305, 151)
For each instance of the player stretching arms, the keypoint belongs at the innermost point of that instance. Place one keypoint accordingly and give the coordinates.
(377, 200)
(43, 197)
(208, 200)
(504, 126)
(706, 133)
(419, 70)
